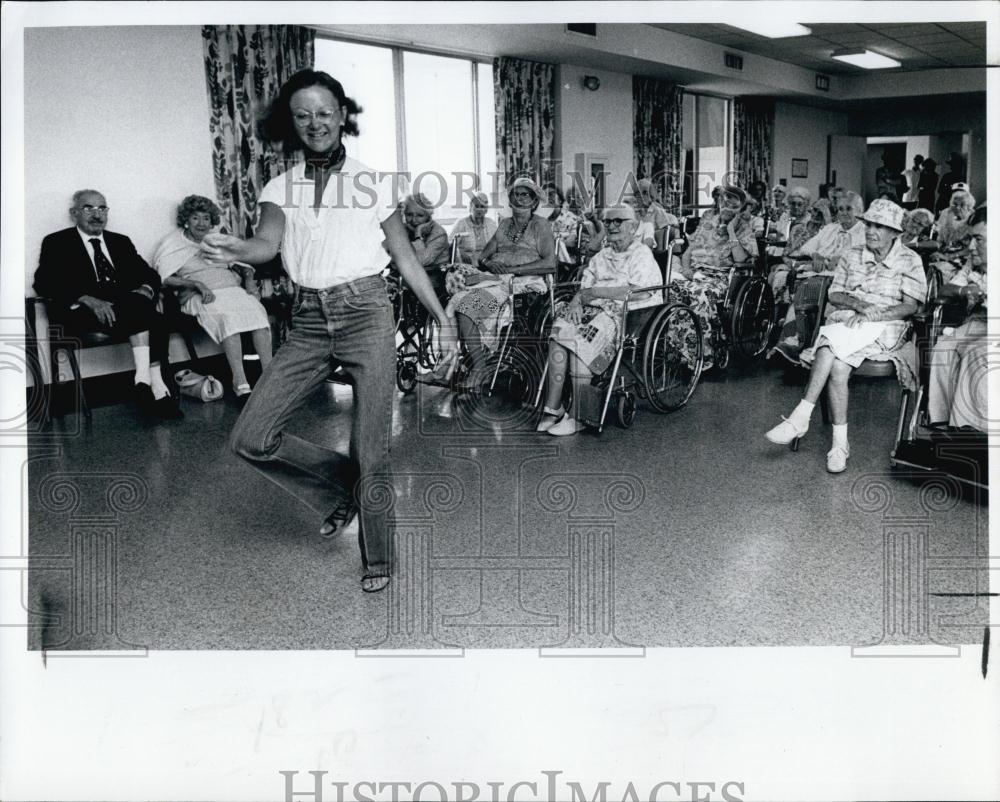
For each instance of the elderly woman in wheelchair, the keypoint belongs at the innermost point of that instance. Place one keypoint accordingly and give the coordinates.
(703, 281)
(875, 288)
(514, 262)
(585, 335)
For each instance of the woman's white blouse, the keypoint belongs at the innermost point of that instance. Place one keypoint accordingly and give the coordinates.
(343, 241)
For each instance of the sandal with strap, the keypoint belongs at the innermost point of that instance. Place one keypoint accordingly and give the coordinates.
(341, 517)
(374, 582)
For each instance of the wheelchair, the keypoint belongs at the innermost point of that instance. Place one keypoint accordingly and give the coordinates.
(962, 454)
(745, 318)
(659, 359)
(417, 343)
(516, 368)
(416, 334)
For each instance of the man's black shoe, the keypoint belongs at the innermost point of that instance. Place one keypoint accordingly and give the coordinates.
(166, 409)
(144, 398)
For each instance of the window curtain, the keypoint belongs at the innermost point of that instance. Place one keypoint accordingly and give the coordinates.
(245, 65)
(524, 97)
(657, 144)
(753, 137)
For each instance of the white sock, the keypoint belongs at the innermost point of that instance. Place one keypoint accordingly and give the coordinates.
(801, 414)
(840, 435)
(140, 355)
(156, 382)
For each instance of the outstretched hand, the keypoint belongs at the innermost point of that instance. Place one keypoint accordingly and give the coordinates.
(221, 249)
(448, 338)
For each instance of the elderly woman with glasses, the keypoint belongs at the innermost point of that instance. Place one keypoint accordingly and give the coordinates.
(703, 277)
(213, 293)
(473, 232)
(521, 251)
(584, 337)
(875, 288)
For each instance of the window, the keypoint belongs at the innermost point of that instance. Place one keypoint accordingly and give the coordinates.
(707, 145)
(427, 115)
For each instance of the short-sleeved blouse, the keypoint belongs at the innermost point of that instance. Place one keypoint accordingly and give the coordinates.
(343, 241)
(474, 238)
(711, 249)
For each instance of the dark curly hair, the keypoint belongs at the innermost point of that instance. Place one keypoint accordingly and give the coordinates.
(193, 204)
(276, 125)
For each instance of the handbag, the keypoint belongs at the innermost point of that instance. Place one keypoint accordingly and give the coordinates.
(204, 388)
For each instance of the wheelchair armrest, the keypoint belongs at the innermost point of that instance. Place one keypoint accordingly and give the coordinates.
(533, 271)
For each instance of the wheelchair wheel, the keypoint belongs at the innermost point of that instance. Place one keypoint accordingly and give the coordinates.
(429, 340)
(625, 410)
(406, 377)
(673, 356)
(752, 319)
(394, 289)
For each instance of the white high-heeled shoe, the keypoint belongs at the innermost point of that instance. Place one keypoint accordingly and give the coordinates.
(556, 415)
(785, 432)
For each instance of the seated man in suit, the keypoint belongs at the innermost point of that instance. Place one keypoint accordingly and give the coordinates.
(97, 281)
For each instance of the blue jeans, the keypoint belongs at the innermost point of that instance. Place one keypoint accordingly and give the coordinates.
(351, 325)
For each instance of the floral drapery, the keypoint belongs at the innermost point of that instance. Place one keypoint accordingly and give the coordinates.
(657, 146)
(753, 136)
(524, 97)
(245, 65)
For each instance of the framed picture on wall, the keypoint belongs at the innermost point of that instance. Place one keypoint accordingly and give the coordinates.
(800, 168)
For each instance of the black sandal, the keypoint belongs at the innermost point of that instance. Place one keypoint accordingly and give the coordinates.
(340, 518)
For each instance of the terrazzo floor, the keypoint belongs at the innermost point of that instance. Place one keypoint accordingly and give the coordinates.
(686, 530)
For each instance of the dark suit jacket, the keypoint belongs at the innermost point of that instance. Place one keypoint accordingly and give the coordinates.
(65, 271)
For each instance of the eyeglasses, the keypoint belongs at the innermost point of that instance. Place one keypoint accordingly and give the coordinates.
(522, 193)
(91, 209)
(324, 116)
(619, 220)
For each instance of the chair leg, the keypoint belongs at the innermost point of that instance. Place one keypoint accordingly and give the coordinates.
(189, 344)
(78, 379)
(54, 350)
(824, 407)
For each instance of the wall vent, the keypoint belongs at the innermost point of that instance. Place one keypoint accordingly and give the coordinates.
(733, 61)
(584, 28)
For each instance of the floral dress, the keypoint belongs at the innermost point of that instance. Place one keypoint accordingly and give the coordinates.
(711, 260)
(486, 304)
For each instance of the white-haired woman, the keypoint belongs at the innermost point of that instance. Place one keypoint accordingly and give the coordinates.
(874, 289)
(473, 232)
(953, 231)
(584, 337)
(916, 236)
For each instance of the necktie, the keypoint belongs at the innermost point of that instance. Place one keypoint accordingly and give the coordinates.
(105, 270)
